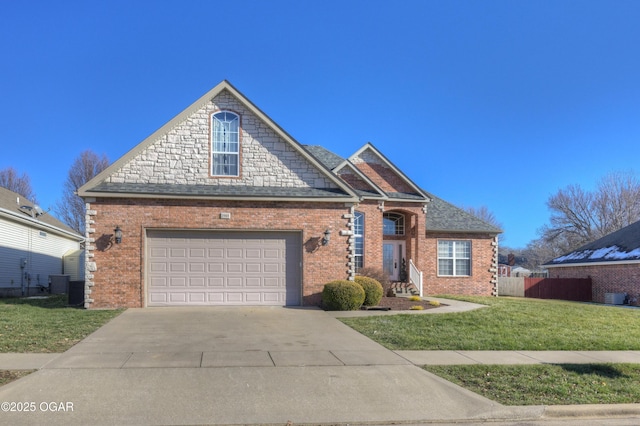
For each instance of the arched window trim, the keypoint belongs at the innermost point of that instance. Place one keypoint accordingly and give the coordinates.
(393, 223)
(225, 144)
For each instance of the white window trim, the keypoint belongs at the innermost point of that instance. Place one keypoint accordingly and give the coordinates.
(213, 144)
(454, 258)
(356, 236)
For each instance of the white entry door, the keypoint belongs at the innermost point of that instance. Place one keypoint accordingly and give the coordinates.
(392, 255)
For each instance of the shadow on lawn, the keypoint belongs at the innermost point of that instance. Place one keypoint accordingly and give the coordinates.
(48, 302)
(602, 370)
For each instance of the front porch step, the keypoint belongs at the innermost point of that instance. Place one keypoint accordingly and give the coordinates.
(404, 289)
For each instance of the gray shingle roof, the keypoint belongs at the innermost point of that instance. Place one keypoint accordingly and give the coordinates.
(621, 245)
(8, 201)
(326, 157)
(331, 161)
(217, 191)
(443, 216)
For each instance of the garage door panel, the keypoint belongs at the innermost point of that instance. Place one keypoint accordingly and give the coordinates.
(253, 268)
(272, 269)
(253, 254)
(234, 282)
(178, 282)
(217, 253)
(178, 267)
(215, 298)
(271, 254)
(215, 282)
(234, 297)
(158, 267)
(234, 267)
(234, 253)
(195, 253)
(223, 268)
(197, 267)
(271, 282)
(216, 268)
(159, 281)
(196, 282)
(177, 297)
(197, 297)
(253, 297)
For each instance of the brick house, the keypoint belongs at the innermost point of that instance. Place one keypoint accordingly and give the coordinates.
(612, 262)
(221, 206)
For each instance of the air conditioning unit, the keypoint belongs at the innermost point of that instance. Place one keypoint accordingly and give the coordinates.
(614, 298)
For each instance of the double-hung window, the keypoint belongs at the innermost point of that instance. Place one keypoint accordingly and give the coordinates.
(225, 144)
(358, 240)
(454, 258)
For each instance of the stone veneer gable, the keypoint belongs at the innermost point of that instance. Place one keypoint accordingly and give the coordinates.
(182, 155)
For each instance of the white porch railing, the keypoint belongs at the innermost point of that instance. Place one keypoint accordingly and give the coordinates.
(415, 276)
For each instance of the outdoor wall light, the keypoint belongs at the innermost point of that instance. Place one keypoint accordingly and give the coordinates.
(118, 234)
(327, 237)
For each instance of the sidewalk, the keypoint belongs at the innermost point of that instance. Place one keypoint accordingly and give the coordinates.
(18, 361)
(519, 357)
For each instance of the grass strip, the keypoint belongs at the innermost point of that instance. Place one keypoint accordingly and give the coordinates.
(508, 324)
(546, 384)
(47, 325)
(7, 376)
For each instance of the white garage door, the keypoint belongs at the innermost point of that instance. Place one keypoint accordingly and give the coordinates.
(223, 268)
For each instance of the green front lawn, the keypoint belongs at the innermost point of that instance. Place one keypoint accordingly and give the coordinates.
(46, 325)
(564, 384)
(509, 324)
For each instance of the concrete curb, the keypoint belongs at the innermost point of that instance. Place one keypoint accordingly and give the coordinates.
(591, 410)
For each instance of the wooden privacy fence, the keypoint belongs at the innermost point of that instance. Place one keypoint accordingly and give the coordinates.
(576, 289)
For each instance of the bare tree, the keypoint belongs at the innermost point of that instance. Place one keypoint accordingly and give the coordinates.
(483, 213)
(10, 180)
(71, 209)
(579, 217)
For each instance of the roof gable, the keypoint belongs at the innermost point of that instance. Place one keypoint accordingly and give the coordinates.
(381, 171)
(349, 173)
(177, 156)
(622, 245)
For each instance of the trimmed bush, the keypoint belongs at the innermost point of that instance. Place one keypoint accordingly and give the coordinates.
(378, 275)
(372, 290)
(415, 298)
(342, 295)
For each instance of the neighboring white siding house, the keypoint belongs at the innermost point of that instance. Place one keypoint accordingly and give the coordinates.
(32, 245)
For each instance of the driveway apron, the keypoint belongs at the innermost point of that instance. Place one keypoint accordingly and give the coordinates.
(234, 365)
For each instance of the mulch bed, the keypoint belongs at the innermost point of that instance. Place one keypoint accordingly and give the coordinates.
(403, 304)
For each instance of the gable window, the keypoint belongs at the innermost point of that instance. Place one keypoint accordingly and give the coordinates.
(454, 258)
(358, 237)
(225, 144)
(392, 224)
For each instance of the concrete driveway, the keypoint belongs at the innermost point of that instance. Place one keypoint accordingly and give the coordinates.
(236, 365)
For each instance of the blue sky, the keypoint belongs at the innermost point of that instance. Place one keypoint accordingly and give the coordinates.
(494, 103)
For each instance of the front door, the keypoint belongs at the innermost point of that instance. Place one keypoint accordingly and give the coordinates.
(392, 255)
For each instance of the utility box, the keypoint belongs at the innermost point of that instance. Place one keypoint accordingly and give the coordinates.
(76, 293)
(59, 284)
(614, 298)
(73, 264)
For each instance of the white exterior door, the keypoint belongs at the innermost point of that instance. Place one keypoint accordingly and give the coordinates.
(392, 255)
